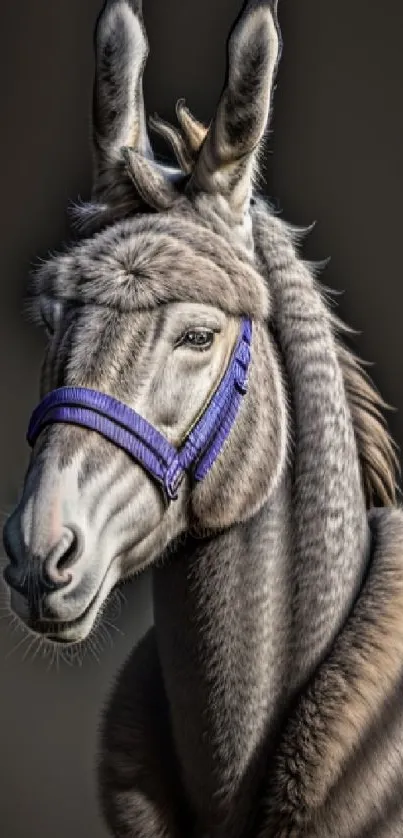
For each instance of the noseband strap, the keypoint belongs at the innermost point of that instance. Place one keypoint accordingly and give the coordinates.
(133, 434)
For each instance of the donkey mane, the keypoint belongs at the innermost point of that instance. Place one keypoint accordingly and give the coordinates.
(377, 451)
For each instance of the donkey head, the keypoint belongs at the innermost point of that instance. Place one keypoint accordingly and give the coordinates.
(148, 309)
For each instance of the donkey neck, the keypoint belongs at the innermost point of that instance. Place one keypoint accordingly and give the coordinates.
(222, 617)
(229, 645)
(243, 620)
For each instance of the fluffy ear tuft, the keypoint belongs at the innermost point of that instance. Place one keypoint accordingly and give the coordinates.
(228, 156)
(121, 51)
(150, 181)
(186, 140)
(174, 138)
(193, 130)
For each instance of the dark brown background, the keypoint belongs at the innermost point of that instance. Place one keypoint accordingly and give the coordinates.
(336, 157)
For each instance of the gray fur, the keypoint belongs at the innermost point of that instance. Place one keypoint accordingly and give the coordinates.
(265, 702)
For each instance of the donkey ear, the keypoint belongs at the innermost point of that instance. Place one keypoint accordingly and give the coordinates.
(121, 51)
(228, 156)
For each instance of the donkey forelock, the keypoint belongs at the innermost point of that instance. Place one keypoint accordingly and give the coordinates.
(151, 260)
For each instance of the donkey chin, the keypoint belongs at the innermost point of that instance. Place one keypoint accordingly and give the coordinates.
(45, 617)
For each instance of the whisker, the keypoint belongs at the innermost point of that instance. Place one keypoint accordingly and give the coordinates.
(15, 624)
(92, 649)
(112, 626)
(81, 653)
(53, 657)
(98, 640)
(72, 655)
(41, 643)
(105, 633)
(46, 650)
(34, 640)
(23, 640)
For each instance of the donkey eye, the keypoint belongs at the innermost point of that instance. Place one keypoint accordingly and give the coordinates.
(196, 339)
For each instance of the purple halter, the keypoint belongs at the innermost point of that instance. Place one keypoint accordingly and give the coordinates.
(133, 434)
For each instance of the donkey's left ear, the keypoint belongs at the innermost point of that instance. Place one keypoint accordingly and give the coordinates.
(121, 50)
(228, 156)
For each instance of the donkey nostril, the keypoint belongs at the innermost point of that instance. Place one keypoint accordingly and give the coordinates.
(57, 566)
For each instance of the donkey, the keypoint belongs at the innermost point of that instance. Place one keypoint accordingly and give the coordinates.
(201, 414)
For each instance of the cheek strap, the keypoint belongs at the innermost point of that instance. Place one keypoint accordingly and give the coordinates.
(145, 444)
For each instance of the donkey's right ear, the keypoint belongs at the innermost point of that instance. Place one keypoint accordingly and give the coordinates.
(121, 50)
(228, 157)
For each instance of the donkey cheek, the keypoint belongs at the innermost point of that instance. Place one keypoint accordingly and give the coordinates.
(238, 486)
